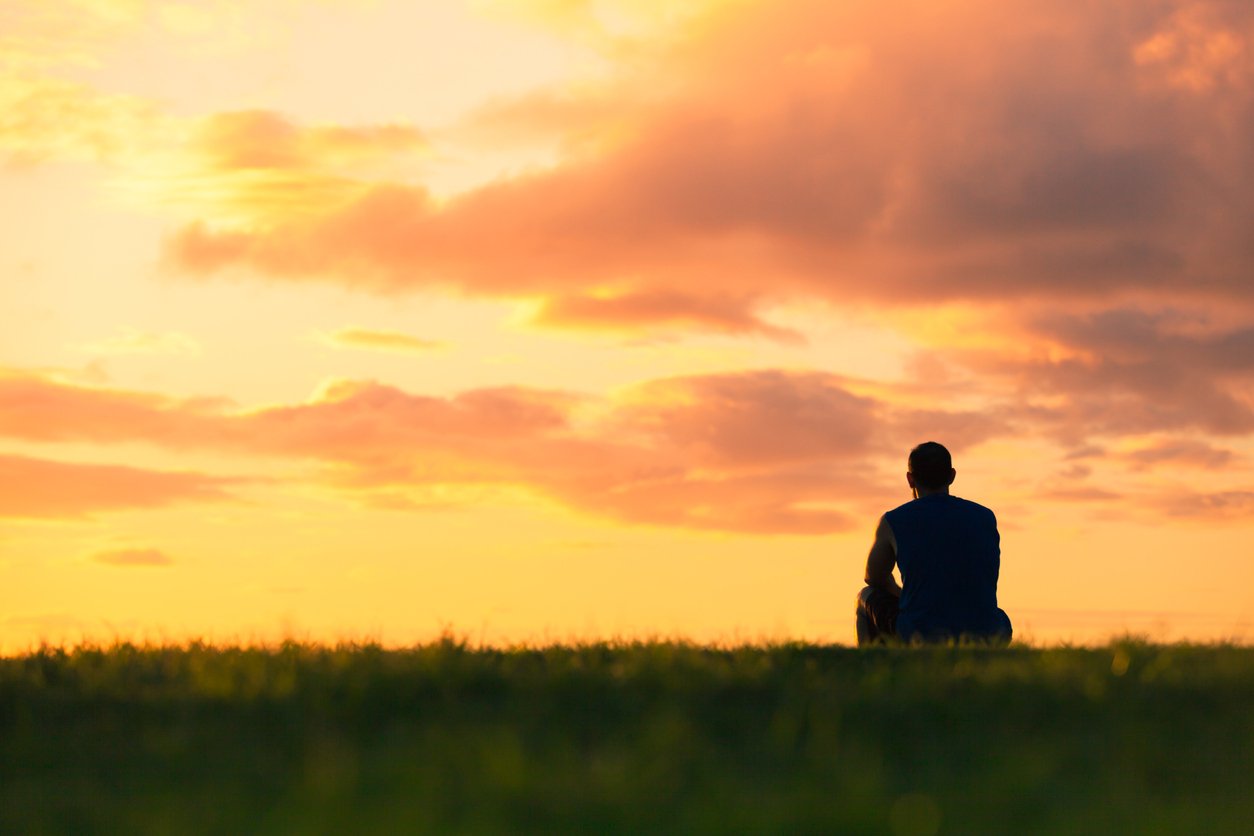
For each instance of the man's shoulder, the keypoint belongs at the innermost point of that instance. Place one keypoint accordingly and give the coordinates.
(975, 509)
(966, 506)
(903, 508)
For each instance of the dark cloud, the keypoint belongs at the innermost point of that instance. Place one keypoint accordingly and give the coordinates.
(1128, 372)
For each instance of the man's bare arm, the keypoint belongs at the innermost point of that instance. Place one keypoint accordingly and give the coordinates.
(882, 559)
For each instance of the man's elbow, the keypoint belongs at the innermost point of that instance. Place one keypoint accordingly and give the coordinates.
(880, 581)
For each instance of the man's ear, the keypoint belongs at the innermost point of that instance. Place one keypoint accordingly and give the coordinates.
(952, 475)
(909, 478)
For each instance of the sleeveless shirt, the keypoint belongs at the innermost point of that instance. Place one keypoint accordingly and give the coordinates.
(949, 554)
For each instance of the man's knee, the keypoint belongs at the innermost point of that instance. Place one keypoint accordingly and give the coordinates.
(879, 608)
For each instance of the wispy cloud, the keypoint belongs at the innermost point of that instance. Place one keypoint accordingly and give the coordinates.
(134, 341)
(1214, 506)
(34, 488)
(1175, 453)
(657, 310)
(264, 139)
(133, 557)
(50, 119)
(380, 340)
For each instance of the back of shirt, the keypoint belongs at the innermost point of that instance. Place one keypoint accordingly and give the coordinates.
(949, 554)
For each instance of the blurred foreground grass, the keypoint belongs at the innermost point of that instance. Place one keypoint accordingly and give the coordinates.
(646, 737)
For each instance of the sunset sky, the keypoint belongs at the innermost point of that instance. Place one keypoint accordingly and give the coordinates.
(560, 319)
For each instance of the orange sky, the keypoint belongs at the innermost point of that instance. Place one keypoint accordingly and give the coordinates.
(556, 319)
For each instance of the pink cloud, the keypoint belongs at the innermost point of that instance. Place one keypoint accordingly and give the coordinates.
(660, 309)
(1217, 506)
(846, 152)
(1127, 372)
(36, 409)
(1180, 453)
(133, 557)
(31, 487)
(752, 417)
(768, 451)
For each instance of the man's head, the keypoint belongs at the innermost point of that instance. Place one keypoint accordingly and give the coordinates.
(931, 468)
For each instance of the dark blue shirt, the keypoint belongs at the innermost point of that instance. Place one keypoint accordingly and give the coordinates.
(949, 554)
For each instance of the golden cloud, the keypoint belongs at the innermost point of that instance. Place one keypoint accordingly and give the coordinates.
(42, 119)
(380, 340)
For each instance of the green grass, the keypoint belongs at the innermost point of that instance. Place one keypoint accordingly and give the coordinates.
(645, 737)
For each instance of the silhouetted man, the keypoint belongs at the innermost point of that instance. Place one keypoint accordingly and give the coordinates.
(949, 554)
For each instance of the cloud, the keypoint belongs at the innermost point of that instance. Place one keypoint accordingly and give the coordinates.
(265, 139)
(46, 114)
(1218, 506)
(1071, 484)
(1197, 51)
(742, 154)
(1180, 453)
(768, 451)
(841, 151)
(38, 409)
(581, 123)
(749, 418)
(251, 167)
(659, 309)
(1086, 494)
(35, 488)
(611, 25)
(349, 418)
(134, 341)
(48, 35)
(133, 557)
(786, 500)
(960, 428)
(239, 167)
(43, 119)
(1126, 372)
(380, 340)
(392, 500)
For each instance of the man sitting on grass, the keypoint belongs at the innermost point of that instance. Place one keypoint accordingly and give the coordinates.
(949, 553)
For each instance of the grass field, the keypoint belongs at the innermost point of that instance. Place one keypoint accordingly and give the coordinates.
(648, 737)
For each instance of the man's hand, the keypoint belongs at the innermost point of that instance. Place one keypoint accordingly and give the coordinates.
(882, 559)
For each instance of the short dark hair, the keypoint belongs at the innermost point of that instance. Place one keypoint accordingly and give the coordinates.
(930, 463)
